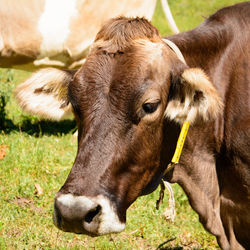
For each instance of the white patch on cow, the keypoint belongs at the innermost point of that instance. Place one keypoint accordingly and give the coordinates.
(78, 206)
(145, 10)
(54, 25)
(104, 222)
(44, 94)
(207, 107)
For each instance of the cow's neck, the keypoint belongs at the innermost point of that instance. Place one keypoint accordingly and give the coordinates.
(196, 174)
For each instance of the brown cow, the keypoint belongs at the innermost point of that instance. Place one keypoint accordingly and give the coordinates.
(130, 98)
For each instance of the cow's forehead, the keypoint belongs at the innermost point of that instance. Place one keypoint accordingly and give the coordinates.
(147, 49)
(155, 55)
(141, 59)
(123, 78)
(116, 83)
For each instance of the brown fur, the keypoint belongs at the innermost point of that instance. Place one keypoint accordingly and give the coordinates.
(119, 78)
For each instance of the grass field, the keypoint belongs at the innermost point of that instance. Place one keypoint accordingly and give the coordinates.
(41, 152)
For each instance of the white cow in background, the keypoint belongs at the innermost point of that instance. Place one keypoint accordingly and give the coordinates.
(58, 33)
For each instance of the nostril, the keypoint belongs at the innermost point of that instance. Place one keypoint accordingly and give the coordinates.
(91, 214)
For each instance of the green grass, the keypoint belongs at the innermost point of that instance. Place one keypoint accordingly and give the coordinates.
(42, 152)
(187, 13)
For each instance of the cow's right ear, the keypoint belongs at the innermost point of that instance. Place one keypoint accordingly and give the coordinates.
(45, 93)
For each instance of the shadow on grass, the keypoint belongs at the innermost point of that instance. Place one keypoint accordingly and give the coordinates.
(39, 128)
(31, 125)
(170, 248)
(28, 124)
(163, 247)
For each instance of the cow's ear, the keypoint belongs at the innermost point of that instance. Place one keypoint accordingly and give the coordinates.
(44, 93)
(192, 97)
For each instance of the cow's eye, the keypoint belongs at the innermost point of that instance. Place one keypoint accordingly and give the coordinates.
(149, 107)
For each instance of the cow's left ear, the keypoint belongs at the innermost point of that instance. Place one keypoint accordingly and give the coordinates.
(193, 97)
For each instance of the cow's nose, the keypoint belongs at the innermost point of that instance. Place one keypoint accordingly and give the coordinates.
(88, 215)
(76, 214)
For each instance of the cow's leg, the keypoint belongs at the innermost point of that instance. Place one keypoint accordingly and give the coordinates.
(235, 203)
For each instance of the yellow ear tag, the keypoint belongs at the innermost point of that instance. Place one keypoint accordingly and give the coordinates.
(180, 142)
(179, 147)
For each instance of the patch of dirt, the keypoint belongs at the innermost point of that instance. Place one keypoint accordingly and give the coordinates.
(28, 203)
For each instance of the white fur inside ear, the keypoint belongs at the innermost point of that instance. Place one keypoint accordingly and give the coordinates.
(45, 93)
(186, 106)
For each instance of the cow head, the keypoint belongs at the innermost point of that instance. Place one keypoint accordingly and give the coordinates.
(129, 85)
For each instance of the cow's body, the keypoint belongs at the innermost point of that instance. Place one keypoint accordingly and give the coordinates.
(38, 33)
(130, 98)
(215, 164)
